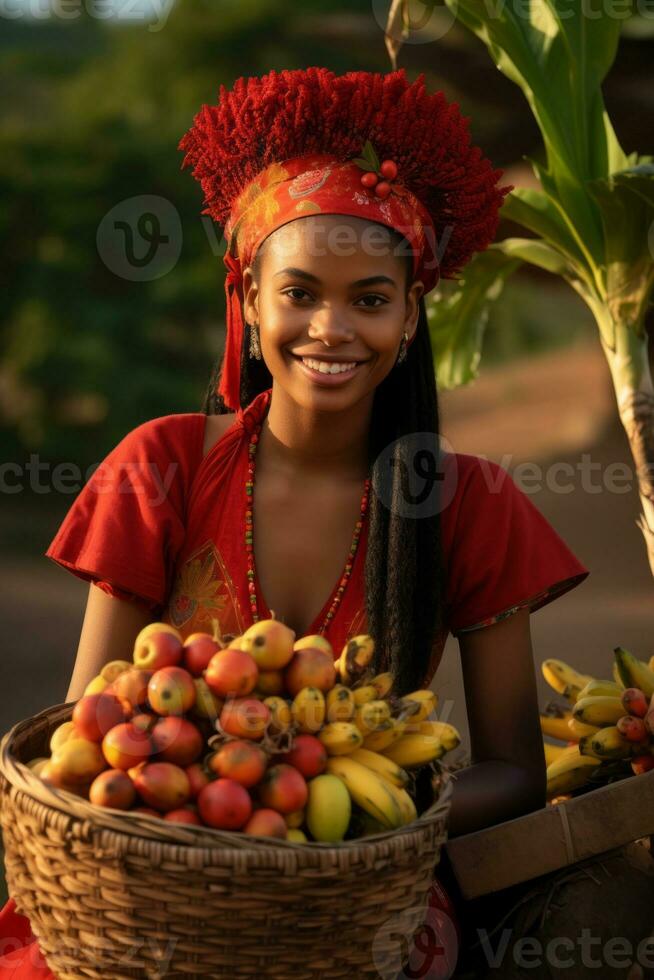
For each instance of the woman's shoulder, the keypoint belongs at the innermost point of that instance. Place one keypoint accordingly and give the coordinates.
(179, 433)
(216, 427)
(467, 475)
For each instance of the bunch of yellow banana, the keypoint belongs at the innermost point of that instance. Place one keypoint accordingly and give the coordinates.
(415, 749)
(340, 737)
(374, 790)
(447, 733)
(340, 703)
(414, 707)
(634, 672)
(569, 771)
(308, 710)
(369, 716)
(552, 752)
(564, 679)
(281, 715)
(599, 710)
(607, 743)
(386, 733)
(557, 726)
(352, 664)
(370, 737)
(609, 724)
(596, 687)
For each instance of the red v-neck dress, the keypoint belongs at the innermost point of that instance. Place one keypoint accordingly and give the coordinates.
(161, 525)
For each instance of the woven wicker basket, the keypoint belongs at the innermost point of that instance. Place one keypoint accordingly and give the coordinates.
(115, 895)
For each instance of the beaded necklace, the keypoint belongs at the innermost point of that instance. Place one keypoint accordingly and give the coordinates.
(249, 537)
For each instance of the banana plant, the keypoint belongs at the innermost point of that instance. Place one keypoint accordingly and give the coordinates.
(592, 220)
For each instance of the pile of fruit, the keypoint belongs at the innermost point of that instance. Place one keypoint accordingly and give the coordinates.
(257, 734)
(608, 725)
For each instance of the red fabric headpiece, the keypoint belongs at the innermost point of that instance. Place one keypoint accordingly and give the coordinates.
(294, 144)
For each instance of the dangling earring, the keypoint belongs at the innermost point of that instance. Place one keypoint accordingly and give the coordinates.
(403, 348)
(255, 346)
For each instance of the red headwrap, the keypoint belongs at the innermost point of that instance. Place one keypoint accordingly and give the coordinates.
(293, 144)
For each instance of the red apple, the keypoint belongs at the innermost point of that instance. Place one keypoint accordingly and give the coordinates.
(225, 804)
(113, 788)
(124, 745)
(78, 760)
(157, 650)
(171, 691)
(308, 755)
(132, 685)
(176, 740)
(245, 717)
(182, 815)
(240, 759)
(95, 714)
(269, 642)
(197, 777)
(231, 673)
(283, 788)
(310, 667)
(642, 763)
(266, 822)
(161, 785)
(199, 648)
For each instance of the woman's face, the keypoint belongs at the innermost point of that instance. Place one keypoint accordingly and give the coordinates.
(331, 288)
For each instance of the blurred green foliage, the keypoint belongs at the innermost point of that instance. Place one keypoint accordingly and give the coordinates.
(93, 117)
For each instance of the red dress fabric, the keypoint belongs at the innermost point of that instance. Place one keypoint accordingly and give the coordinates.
(161, 525)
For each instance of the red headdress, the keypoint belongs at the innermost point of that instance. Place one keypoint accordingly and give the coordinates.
(297, 143)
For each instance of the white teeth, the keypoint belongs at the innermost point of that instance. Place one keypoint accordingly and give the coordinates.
(326, 368)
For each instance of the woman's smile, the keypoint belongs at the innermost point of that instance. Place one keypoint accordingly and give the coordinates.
(327, 373)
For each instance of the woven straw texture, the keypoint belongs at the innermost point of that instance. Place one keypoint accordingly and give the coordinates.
(114, 895)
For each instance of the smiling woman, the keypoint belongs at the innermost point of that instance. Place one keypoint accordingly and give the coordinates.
(328, 499)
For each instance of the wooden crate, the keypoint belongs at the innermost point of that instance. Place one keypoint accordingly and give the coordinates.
(554, 837)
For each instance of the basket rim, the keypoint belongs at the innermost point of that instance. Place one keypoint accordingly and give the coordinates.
(123, 825)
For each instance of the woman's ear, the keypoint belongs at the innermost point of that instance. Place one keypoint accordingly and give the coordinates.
(250, 297)
(416, 290)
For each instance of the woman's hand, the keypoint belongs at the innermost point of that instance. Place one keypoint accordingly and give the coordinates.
(508, 774)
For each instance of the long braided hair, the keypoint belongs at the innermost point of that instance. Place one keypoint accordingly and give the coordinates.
(404, 572)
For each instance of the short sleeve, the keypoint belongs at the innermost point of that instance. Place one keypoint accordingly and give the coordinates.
(126, 596)
(503, 554)
(127, 524)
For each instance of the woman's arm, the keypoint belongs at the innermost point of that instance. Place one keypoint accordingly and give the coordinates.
(108, 632)
(508, 776)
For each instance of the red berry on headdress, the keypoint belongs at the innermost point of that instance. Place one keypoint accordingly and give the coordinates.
(388, 169)
(382, 189)
(369, 179)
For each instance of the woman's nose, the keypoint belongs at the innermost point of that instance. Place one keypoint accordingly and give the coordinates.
(331, 326)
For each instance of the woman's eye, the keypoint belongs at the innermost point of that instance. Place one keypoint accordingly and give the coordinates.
(295, 289)
(374, 296)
